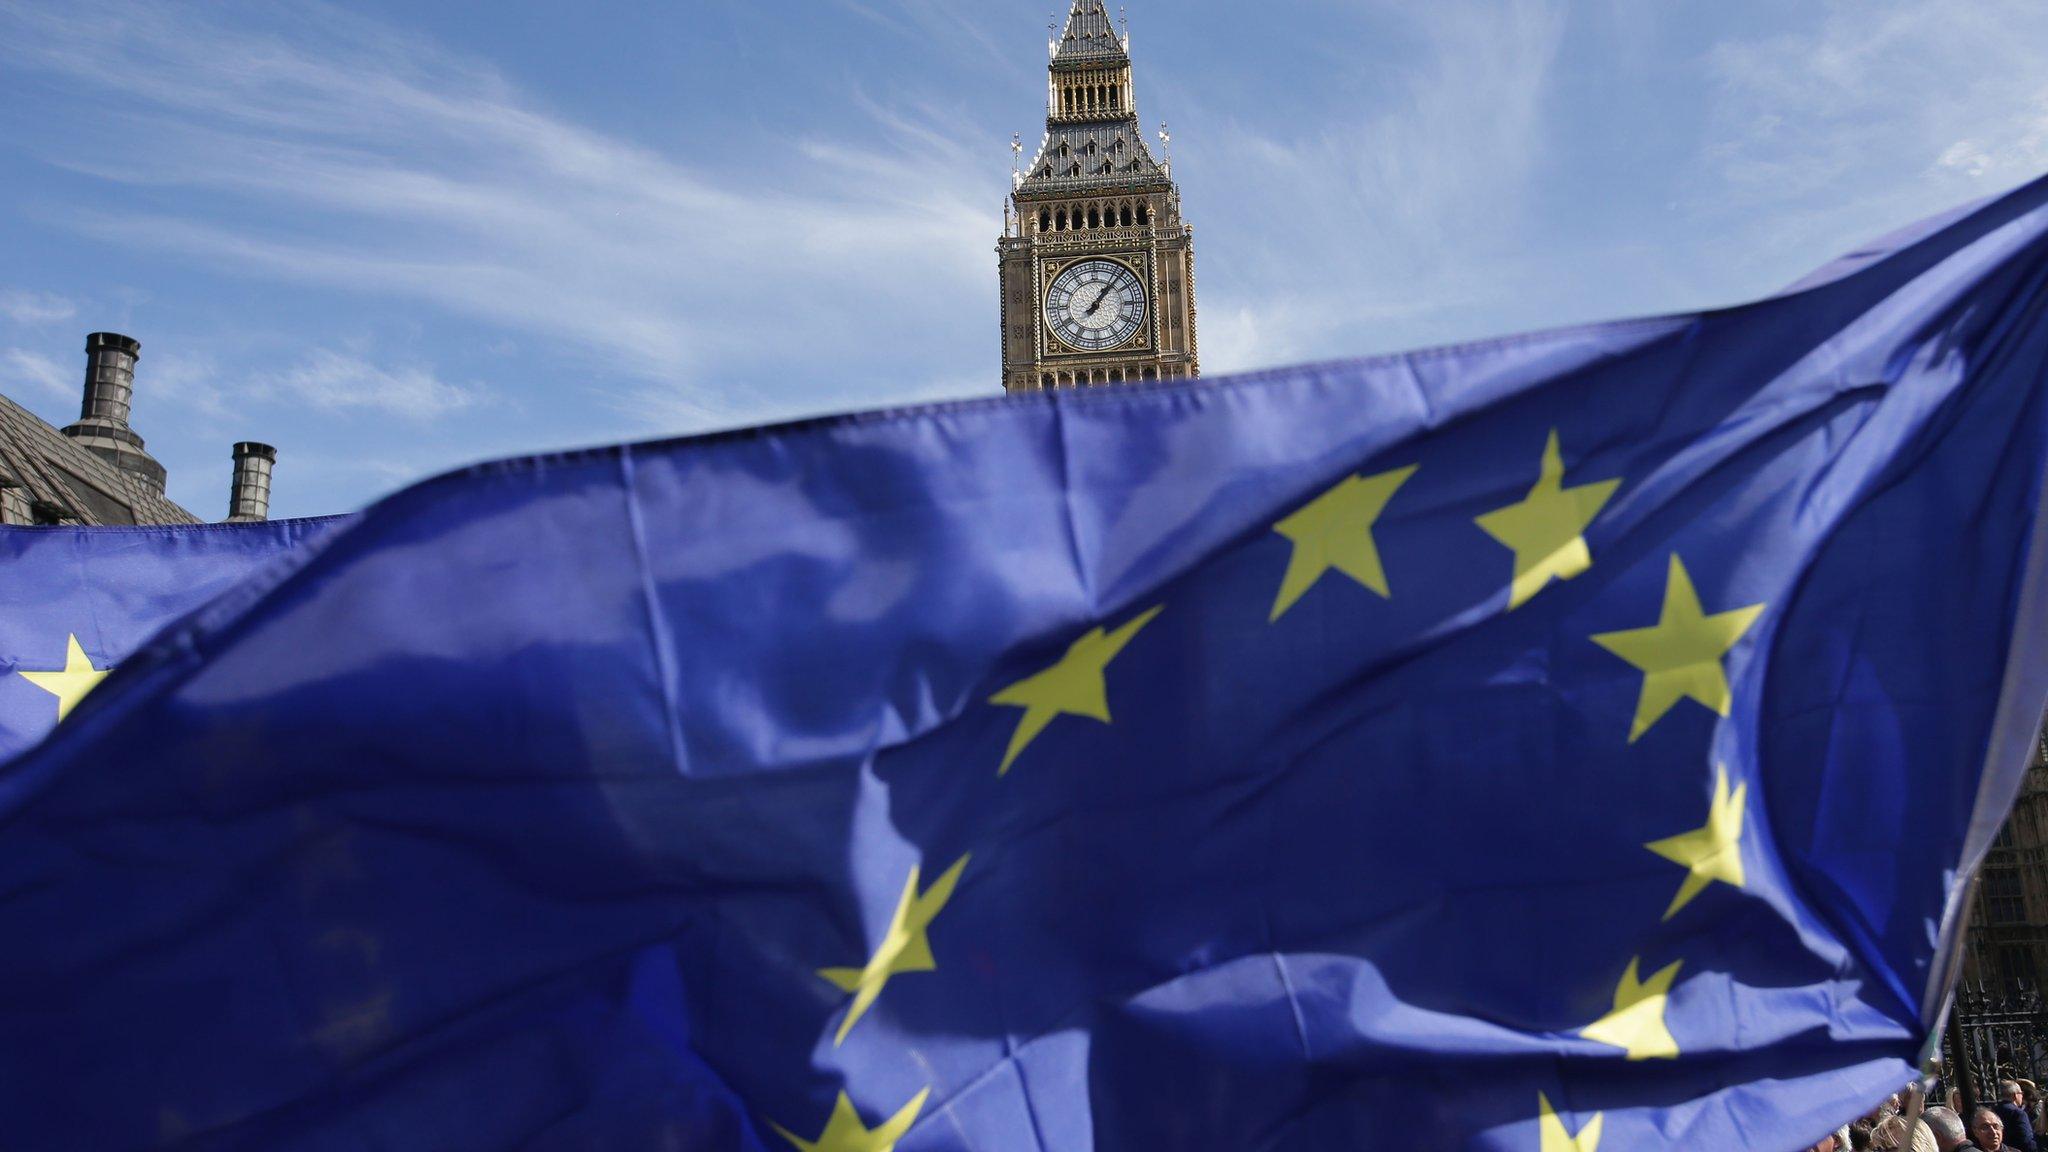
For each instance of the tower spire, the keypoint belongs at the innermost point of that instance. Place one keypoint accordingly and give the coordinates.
(1090, 36)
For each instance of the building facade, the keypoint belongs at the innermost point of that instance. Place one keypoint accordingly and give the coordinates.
(97, 470)
(1097, 267)
(2007, 942)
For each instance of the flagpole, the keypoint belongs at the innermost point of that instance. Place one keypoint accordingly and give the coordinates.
(1960, 1075)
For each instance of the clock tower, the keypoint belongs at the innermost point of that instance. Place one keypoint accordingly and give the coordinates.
(1098, 272)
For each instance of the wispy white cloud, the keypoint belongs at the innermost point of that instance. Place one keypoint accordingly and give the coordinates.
(23, 307)
(1875, 111)
(190, 380)
(336, 152)
(20, 366)
(953, 25)
(335, 382)
(1411, 208)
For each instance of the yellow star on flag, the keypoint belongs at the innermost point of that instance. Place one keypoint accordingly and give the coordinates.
(1637, 1023)
(1710, 853)
(1546, 529)
(1335, 531)
(1556, 1139)
(845, 1132)
(69, 686)
(1072, 687)
(904, 947)
(1681, 656)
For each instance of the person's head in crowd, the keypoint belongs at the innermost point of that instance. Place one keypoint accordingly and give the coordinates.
(1947, 1128)
(1986, 1129)
(2009, 1091)
(1895, 1135)
(1828, 1143)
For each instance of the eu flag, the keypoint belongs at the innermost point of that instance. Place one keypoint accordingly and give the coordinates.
(79, 600)
(1569, 742)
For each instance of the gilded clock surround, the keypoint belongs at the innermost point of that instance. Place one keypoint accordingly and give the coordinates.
(1094, 191)
(1138, 264)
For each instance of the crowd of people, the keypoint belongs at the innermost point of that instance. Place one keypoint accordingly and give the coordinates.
(1905, 1123)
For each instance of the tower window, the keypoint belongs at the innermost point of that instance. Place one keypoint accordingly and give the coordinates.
(1044, 220)
(1063, 220)
(1127, 215)
(1144, 216)
(1094, 218)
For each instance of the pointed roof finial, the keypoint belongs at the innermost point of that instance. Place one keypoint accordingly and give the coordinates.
(1165, 148)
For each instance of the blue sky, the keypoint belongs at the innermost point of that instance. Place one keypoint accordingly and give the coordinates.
(396, 237)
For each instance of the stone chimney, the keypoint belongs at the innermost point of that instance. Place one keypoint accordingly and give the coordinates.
(249, 498)
(102, 426)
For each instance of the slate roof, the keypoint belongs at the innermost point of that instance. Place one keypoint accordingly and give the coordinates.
(1106, 152)
(38, 464)
(1080, 155)
(1089, 38)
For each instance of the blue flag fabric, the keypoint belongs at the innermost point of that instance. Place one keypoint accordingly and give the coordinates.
(1566, 742)
(78, 600)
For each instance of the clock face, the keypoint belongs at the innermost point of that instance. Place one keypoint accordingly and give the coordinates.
(1095, 305)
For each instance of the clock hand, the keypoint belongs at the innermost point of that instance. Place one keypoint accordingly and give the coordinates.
(1099, 301)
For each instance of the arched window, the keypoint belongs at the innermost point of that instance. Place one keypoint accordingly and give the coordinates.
(1116, 375)
(1151, 373)
(1144, 216)
(1094, 218)
(1045, 381)
(1127, 215)
(1116, 97)
(1044, 220)
(1063, 220)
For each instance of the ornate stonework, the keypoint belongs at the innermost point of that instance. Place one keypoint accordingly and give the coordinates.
(1097, 268)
